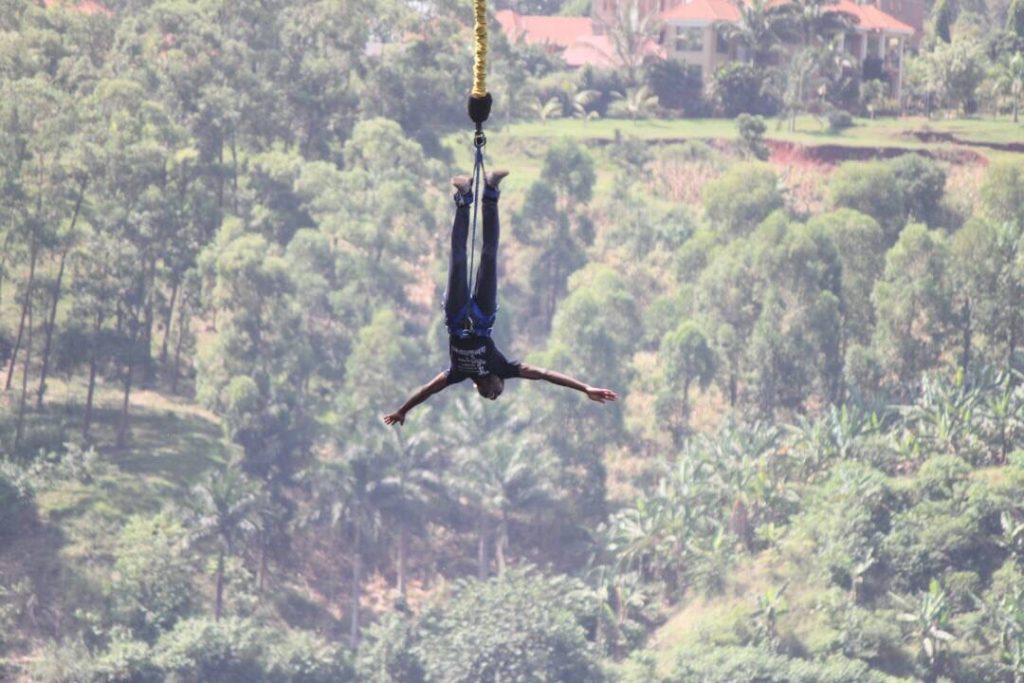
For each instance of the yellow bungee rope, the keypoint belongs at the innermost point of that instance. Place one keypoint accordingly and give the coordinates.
(480, 43)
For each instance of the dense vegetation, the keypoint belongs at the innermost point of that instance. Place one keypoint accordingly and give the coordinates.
(224, 250)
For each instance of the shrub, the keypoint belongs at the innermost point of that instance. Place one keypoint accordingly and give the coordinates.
(740, 89)
(839, 120)
(390, 652)
(873, 189)
(751, 129)
(151, 588)
(742, 197)
(199, 649)
(923, 184)
(752, 665)
(303, 657)
(519, 627)
(678, 86)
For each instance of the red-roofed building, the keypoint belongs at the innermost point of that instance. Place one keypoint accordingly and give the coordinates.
(577, 39)
(691, 35)
(83, 6)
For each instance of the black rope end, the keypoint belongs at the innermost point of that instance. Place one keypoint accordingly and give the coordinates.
(479, 109)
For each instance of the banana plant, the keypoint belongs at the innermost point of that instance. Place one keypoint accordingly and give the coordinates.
(548, 109)
(944, 414)
(636, 103)
(927, 619)
(1007, 618)
(770, 606)
(580, 103)
(1012, 539)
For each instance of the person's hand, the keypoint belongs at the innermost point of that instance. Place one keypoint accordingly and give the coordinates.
(397, 417)
(601, 395)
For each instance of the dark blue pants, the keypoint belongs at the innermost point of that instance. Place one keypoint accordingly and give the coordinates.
(459, 308)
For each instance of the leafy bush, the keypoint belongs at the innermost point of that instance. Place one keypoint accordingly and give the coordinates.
(303, 657)
(740, 89)
(15, 501)
(390, 651)
(839, 120)
(742, 197)
(125, 661)
(922, 183)
(678, 87)
(520, 627)
(150, 589)
(751, 129)
(871, 188)
(200, 649)
(847, 518)
(752, 665)
(946, 534)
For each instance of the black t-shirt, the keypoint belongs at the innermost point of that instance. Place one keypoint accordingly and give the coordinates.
(475, 357)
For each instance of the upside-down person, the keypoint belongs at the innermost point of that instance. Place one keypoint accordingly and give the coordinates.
(469, 319)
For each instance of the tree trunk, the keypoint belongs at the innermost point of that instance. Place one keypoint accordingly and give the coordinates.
(20, 429)
(148, 318)
(234, 173)
(56, 300)
(220, 175)
(168, 321)
(122, 429)
(24, 308)
(481, 548)
(357, 570)
(261, 573)
(51, 324)
(3, 265)
(403, 542)
(93, 363)
(966, 339)
(218, 606)
(182, 328)
(500, 544)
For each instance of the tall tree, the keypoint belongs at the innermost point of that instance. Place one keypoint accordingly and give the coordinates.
(686, 357)
(912, 302)
(222, 510)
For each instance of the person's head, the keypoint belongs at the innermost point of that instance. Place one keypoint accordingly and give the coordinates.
(489, 386)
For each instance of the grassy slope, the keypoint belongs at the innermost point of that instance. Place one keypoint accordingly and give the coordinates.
(172, 443)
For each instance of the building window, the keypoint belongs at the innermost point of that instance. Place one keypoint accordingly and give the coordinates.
(689, 39)
(721, 43)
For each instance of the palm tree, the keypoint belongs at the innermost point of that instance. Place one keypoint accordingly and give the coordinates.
(346, 499)
(1009, 78)
(631, 32)
(636, 102)
(504, 479)
(817, 19)
(580, 101)
(409, 492)
(550, 109)
(224, 508)
(799, 81)
(761, 29)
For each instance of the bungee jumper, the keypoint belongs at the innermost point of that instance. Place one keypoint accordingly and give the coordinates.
(470, 318)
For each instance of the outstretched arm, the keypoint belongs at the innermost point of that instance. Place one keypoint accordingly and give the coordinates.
(422, 394)
(593, 393)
